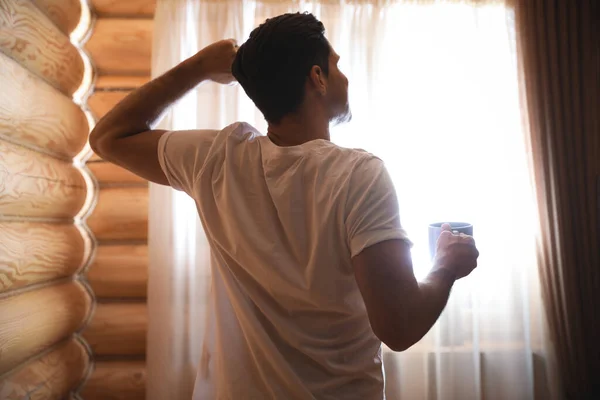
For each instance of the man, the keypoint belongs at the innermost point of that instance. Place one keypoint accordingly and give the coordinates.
(311, 267)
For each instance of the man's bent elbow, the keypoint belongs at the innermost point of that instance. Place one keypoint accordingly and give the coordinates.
(96, 146)
(100, 143)
(395, 339)
(398, 336)
(399, 345)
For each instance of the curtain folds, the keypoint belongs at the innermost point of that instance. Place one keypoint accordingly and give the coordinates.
(434, 88)
(560, 65)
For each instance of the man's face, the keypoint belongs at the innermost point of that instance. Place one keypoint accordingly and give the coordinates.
(337, 91)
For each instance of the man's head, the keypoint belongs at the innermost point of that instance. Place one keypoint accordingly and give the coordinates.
(286, 62)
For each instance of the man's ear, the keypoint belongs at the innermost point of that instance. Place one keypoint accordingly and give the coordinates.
(318, 79)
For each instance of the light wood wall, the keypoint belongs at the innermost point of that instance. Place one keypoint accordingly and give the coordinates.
(44, 244)
(72, 279)
(120, 50)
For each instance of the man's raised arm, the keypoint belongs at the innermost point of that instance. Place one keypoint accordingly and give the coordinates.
(125, 137)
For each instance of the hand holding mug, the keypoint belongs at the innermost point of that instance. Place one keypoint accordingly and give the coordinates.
(456, 252)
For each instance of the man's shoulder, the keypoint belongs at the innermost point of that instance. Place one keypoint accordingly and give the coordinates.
(351, 158)
(323, 153)
(240, 131)
(234, 136)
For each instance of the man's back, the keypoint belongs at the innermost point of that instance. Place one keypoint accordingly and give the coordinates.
(288, 320)
(298, 234)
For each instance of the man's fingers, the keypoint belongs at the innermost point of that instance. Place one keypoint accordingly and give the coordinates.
(445, 236)
(446, 227)
(234, 43)
(467, 239)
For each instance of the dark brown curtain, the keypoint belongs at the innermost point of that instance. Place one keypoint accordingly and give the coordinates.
(558, 46)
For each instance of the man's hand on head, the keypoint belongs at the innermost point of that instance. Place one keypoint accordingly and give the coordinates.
(216, 60)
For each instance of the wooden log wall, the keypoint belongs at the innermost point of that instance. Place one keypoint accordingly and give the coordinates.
(120, 50)
(44, 192)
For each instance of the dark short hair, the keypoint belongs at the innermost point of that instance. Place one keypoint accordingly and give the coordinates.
(274, 63)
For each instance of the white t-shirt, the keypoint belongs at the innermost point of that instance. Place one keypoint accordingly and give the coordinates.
(287, 320)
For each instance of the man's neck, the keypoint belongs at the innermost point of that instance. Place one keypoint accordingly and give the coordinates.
(298, 128)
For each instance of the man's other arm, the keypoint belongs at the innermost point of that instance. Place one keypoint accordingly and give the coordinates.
(401, 310)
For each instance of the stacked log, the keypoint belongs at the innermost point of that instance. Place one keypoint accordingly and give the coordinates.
(44, 244)
(120, 49)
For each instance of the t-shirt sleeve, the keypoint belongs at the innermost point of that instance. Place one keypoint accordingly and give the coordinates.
(372, 213)
(182, 155)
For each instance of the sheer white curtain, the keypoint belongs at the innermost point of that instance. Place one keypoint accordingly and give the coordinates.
(434, 92)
